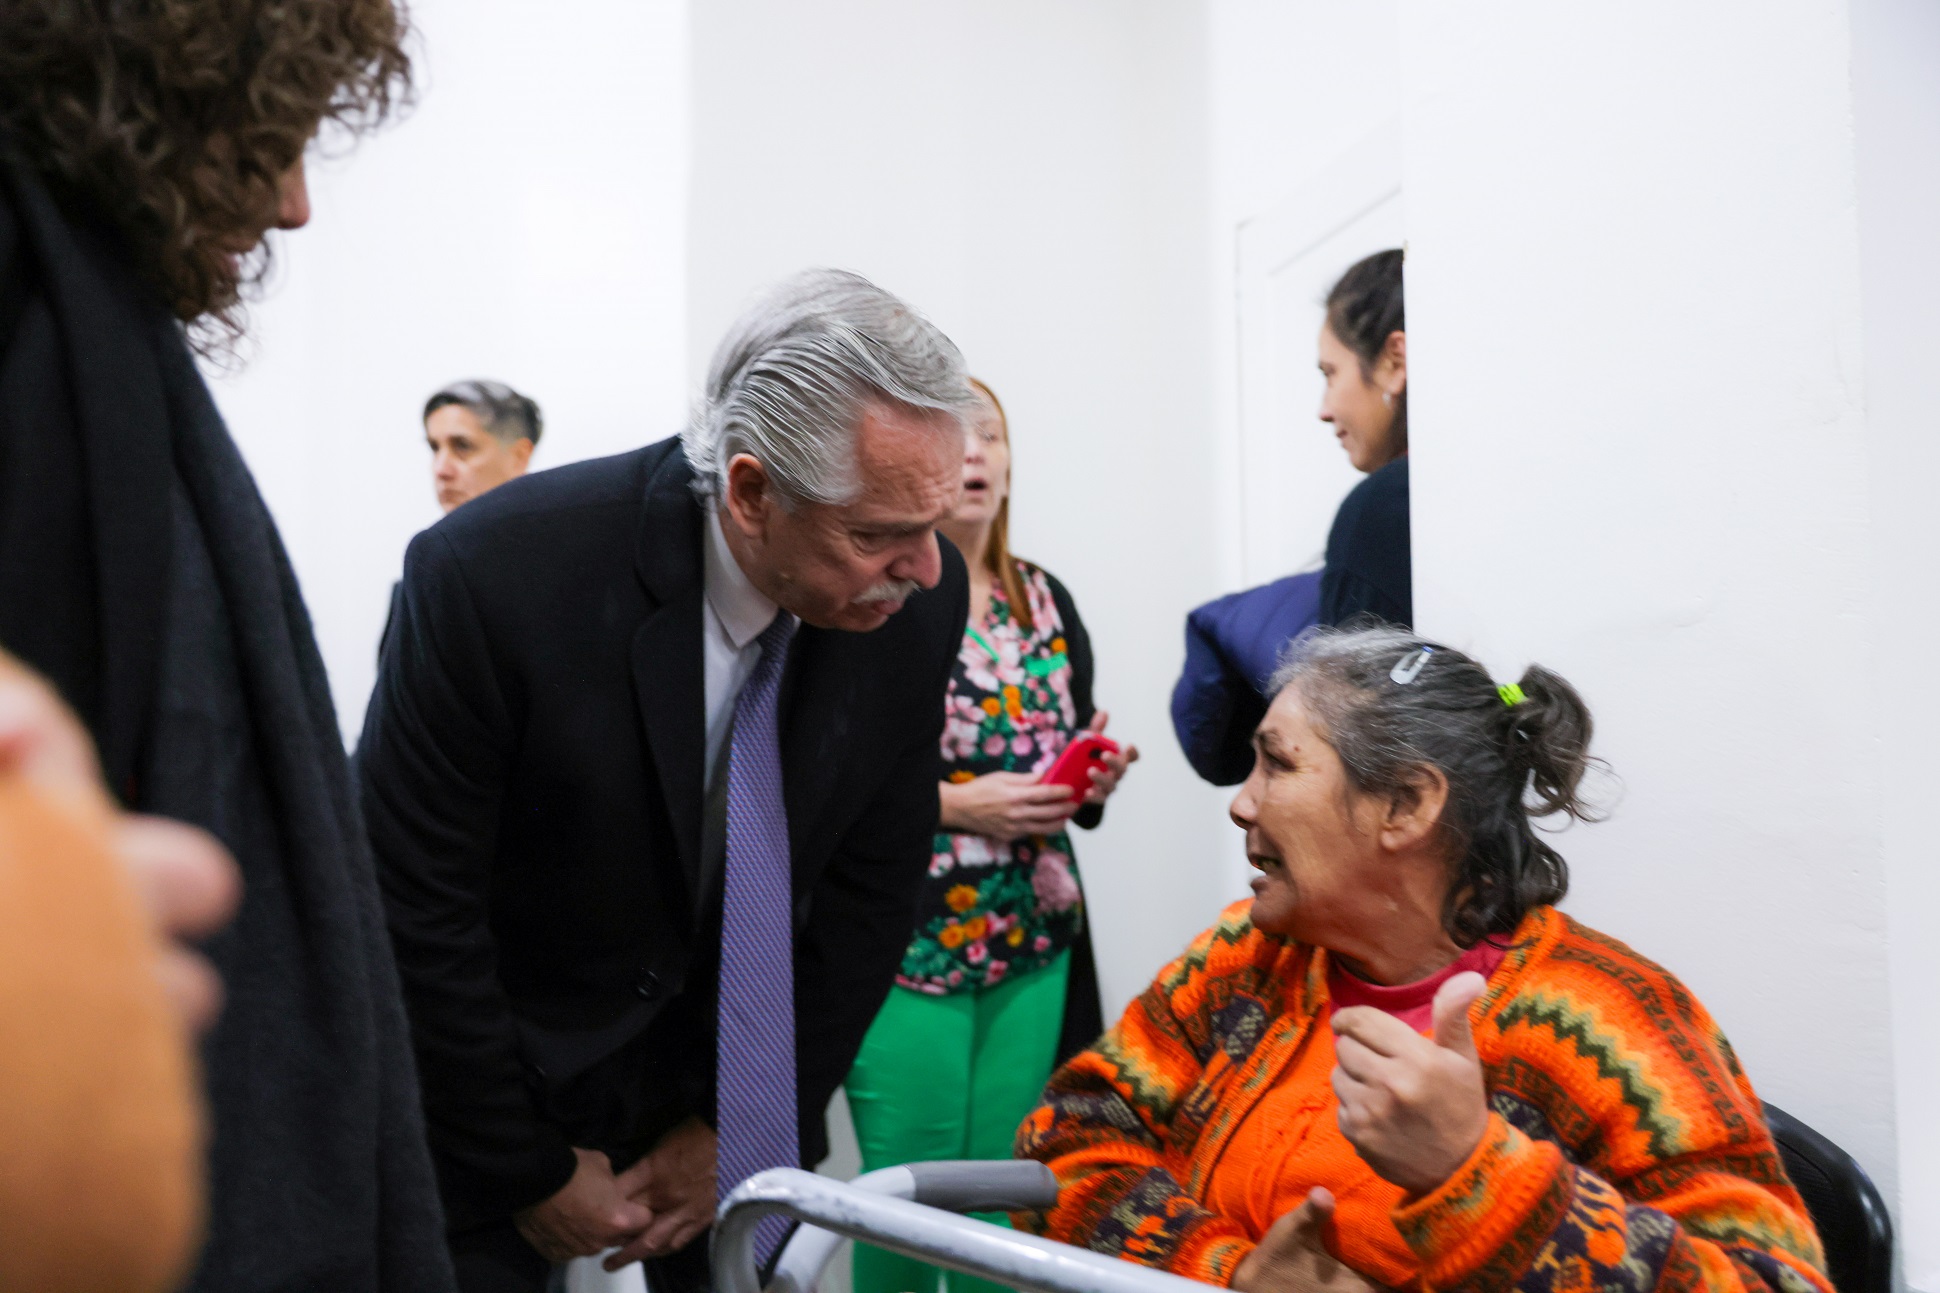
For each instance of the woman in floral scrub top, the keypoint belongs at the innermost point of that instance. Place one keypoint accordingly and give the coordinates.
(997, 983)
(998, 907)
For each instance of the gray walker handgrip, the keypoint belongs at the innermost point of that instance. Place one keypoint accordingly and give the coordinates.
(868, 1209)
(1002, 1185)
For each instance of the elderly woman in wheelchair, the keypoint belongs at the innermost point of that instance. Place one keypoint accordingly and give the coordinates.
(1400, 1065)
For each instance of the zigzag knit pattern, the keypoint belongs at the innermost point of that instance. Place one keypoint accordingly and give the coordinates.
(1626, 1150)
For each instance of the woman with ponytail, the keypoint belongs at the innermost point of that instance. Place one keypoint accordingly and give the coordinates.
(1399, 1065)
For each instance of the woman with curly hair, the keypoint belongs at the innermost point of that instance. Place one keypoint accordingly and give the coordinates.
(146, 149)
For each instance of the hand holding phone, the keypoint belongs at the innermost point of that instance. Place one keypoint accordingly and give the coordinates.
(1073, 766)
(1102, 763)
(1005, 806)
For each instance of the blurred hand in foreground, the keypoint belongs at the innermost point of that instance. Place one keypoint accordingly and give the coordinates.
(186, 881)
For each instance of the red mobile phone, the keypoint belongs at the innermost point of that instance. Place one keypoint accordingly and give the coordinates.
(1073, 767)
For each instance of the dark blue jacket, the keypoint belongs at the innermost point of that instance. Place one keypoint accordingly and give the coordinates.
(1234, 643)
(1232, 647)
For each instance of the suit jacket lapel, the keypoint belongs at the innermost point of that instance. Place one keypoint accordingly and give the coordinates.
(669, 681)
(819, 705)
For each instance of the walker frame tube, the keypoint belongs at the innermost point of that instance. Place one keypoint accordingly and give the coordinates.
(810, 1249)
(927, 1234)
(957, 1185)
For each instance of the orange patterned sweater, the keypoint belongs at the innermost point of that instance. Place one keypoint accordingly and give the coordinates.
(1625, 1147)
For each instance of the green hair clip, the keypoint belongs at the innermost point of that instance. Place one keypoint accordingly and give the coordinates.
(1511, 694)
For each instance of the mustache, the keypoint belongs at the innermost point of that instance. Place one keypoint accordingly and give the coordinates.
(889, 590)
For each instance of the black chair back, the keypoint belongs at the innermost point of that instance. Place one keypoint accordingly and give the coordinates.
(1844, 1203)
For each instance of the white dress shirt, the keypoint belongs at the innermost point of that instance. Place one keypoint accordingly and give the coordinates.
(737, 612)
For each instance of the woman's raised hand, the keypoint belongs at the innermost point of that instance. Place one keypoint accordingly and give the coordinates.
(1005, 806)
(1291, 1256)
(1105, 779)
(1414, 1107)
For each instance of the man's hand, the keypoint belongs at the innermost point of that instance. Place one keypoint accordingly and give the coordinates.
(590, 1214)
(1005, 806)
(1292, 1258)
(1105, 779)
(187, 881)
(1414, 1107)
(675, 1180)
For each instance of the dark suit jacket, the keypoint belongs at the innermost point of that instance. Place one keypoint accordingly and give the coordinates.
(531, 770)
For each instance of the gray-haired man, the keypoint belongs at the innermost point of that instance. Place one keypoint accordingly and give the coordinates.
(626, 811)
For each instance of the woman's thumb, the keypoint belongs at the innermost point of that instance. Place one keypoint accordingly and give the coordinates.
(1452, 1031)
(1313, 1214)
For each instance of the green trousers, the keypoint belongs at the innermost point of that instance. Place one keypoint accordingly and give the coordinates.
(950, 1077)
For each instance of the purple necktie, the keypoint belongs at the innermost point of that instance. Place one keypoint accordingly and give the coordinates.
(755, 1048)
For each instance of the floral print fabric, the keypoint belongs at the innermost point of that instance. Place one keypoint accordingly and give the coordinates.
(993, 910)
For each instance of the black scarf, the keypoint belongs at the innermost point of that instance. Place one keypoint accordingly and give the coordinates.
(140, 570)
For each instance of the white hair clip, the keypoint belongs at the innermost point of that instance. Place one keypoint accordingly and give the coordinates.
(1410, 666)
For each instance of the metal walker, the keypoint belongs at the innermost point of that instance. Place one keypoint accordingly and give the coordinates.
(913, 1210)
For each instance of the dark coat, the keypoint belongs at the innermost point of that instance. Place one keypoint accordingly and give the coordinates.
(1234, 642)
(1233, 645)
(141, 572)
(532, 772)
(1370, 564)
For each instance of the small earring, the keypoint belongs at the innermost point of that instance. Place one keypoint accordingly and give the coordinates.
(1387, 398)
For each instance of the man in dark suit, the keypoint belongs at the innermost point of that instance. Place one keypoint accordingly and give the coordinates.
(626, 811)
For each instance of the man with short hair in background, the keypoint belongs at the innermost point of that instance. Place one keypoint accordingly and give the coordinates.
(651, 774)
(482, 434)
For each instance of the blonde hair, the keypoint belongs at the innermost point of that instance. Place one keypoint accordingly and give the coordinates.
(996, 555)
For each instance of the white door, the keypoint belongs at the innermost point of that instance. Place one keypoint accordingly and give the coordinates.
(1293, 473)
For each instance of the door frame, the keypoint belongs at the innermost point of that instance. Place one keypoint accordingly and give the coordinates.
(1356, 182)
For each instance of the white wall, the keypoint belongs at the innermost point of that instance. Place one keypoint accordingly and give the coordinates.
(1298, 91)
(1293, 85)
(1030, 175)
(1672, 307)
(524, 223)
(1896, 51)
(1641, 456)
